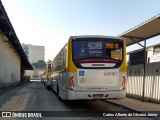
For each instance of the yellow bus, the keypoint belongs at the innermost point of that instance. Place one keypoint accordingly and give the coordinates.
(90, 67)
(46, 76)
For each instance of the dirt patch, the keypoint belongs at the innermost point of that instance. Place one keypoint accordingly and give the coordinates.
(16, 103)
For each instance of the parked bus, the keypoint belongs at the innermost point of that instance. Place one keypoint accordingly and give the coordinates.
(90, 67)
(46, 76)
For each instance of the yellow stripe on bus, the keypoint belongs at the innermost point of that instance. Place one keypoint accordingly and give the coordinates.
(123, 67)
(70, 67)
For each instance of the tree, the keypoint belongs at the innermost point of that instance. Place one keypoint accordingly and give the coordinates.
(40, 64)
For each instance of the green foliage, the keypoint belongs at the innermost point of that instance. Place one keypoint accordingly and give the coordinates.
(40, 64)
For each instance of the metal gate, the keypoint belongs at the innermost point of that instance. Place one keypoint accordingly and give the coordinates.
(152, 82)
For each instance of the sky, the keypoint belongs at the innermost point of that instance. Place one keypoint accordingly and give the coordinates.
(50, 23)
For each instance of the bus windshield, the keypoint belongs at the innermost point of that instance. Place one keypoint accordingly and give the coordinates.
(97, 49)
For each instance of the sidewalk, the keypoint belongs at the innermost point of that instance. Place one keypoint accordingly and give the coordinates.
(136, 105)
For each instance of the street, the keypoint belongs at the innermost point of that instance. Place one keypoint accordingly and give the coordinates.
(34, 96)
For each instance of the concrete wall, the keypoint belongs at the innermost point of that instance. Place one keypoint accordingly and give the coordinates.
(9, 63)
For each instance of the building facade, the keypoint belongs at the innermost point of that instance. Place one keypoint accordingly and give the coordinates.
(144, 83)
(34, 52)
(13, 60)
(137, 57)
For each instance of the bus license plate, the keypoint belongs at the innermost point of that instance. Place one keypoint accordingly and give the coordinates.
(97, 95)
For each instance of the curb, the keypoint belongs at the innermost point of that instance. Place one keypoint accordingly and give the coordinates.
(123, 106)
(133, 110)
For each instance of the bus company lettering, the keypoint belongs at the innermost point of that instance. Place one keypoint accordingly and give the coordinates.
(110, 73)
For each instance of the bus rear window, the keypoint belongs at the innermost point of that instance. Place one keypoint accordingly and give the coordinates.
(98, 48)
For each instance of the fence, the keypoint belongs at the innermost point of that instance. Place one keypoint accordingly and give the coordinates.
(152, 82)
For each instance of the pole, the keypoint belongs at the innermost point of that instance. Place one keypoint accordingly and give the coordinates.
(144, 73)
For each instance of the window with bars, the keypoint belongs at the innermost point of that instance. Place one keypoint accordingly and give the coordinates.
(156, 50)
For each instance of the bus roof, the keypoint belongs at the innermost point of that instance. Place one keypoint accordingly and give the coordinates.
(95, 36)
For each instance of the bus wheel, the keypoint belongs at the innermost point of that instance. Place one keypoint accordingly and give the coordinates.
(59, 98)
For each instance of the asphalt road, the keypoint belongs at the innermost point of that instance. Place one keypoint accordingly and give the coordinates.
(33, 97)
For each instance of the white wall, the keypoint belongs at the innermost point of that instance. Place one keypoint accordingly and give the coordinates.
(9, 64)
(155, 58)
(127, 58)
(150, 52)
